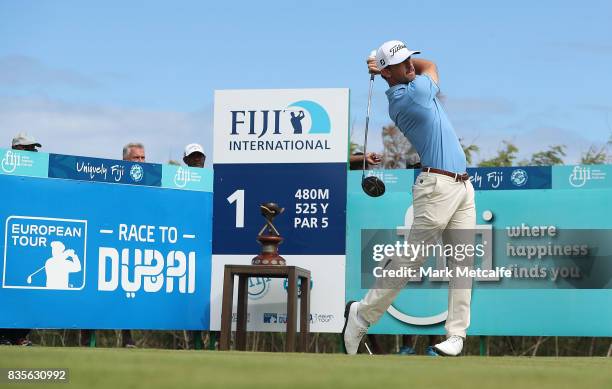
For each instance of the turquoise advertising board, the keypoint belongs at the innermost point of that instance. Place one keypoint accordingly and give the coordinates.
(24, 163)
(574, 201)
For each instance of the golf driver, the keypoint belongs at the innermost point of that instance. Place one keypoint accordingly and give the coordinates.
(372, 186)
(29, 280)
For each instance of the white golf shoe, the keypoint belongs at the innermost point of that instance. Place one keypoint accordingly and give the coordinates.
(354, 328)
(451, 347)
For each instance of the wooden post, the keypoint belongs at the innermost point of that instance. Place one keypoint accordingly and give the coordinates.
(92, 338)
(483, 346)
(241, 323)
(226, 309)
(304, 313)
(291, 309)
(197, 339)
(212, 339)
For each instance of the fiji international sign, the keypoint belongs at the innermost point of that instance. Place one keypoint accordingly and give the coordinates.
(286, 125)
(288, 146)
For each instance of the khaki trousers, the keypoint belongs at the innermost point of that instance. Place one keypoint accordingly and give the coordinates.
(444, 211)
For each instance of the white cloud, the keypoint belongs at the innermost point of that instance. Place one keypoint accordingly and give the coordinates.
(101, 131)
(20, 70)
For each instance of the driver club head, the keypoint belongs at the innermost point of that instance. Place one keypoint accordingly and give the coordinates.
(373, 186)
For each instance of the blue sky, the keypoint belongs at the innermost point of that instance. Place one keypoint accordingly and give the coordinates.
(87, 77)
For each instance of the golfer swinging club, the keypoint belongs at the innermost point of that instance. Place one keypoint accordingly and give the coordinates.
(443, 196)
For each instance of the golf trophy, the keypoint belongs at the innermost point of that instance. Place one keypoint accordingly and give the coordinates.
(269, 237)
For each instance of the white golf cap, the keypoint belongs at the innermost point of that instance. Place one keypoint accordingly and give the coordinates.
(23, 139)
(392, 53)
(192, 148)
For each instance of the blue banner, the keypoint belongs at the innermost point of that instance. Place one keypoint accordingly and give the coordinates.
(313, 195)
(508, 178)
(90, 255)
(104, 170)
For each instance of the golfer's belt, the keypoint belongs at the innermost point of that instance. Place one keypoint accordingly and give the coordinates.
(458, 177)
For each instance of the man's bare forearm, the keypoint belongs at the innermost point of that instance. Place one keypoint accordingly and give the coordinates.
(423, 66)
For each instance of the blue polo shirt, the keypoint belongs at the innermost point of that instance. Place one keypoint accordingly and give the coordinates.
(417, 112)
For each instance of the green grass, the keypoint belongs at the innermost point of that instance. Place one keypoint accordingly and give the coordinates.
(140, 368)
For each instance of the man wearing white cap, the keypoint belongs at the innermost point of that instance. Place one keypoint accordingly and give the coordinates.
(443, 196)
(194, 155)
(23, 141)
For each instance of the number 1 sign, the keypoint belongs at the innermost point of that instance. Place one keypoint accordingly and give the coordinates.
(288, 147)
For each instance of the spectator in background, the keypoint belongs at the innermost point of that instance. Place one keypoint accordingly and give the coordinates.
(134, 152)
(194, 155)
(23, 141)
(356, 160)
(19, 336)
